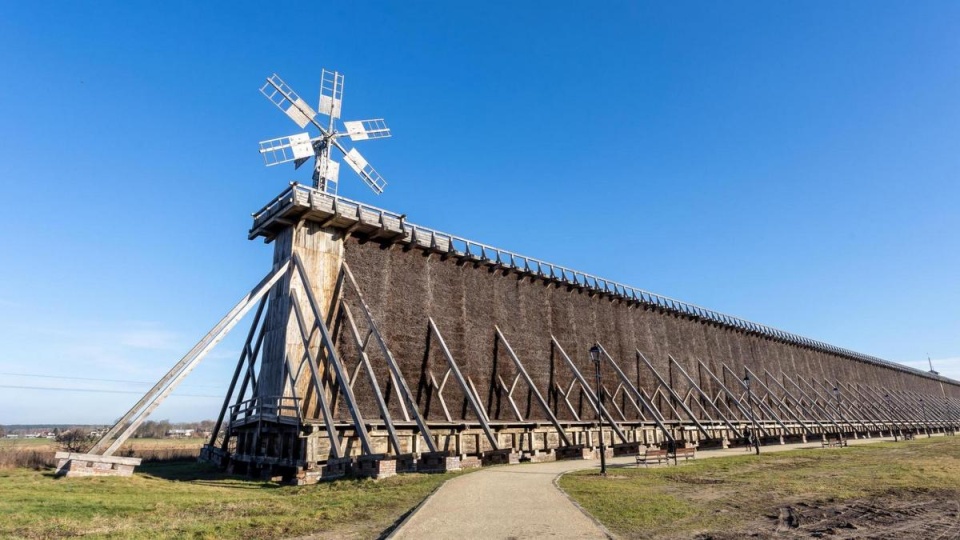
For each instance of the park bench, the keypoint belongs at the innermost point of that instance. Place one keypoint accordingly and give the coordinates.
(834, 443)
(909, 436)
(651, 455)
(685, 453)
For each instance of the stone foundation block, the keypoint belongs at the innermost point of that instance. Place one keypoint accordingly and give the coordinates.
(577, 451)
(375, 466)
(336, 468)
(73, 465)
(500, 457)
(437, 462)
(713, 444)
(626, 449)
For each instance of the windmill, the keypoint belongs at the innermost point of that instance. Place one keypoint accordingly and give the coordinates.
(301, 147)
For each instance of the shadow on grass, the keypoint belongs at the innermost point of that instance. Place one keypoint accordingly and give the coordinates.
(201, 474)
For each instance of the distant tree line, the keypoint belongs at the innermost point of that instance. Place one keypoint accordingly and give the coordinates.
(158, 429)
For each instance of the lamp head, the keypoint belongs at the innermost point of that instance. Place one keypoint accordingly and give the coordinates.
(595, 354)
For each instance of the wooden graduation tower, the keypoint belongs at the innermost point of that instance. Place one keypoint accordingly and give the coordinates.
(378, 346)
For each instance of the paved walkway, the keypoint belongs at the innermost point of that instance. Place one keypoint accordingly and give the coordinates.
(522, 501)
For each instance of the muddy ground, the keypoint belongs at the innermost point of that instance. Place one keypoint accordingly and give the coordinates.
(911, 514)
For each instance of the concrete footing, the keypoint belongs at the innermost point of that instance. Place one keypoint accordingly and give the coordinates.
(500, 457)
(626, 449)
(73, 465)
(375, 466)
(713, 444)
(577, 451)
(437, 462)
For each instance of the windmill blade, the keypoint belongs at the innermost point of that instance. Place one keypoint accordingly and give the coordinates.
(285, 149)
(331, 93)
(361, 130)
(288, 101)
(328, 169)
(363, 169)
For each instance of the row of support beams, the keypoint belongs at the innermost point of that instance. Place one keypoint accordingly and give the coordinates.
(533, 388)
(857, 407)
(592, 397)
(396, 376)
(333, 358)
(468, 391)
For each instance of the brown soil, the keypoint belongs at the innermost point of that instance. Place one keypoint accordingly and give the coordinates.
(925, 515)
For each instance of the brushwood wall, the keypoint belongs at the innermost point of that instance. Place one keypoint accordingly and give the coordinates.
(404, 287)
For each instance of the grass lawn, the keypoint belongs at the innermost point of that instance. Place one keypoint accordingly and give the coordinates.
(190, 500)
(869, 486)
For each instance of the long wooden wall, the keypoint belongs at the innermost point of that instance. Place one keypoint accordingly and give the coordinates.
(404, 287)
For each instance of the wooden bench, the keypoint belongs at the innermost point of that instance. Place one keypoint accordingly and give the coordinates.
(685, 453)
(651, 455)
(909, 436)
(834, 443)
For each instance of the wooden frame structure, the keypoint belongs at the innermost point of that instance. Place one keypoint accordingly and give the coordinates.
(318, 392)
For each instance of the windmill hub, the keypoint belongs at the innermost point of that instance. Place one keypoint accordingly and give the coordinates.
(301, 147)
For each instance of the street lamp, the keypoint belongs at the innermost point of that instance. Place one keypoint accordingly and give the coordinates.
(595, 357)
(836, 394)
(890, 412)
(753, 420)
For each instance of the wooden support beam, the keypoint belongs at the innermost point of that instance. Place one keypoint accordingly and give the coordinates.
(673, 394)
(731, 395)
(135, 416)
(318, 387)
(704, 395)
(236, 373)
(334, 359)
(586, 389)
(782, 405)
(533, 387)
(799, 402)
(873, 401)
(760, 403)
(471, 400)
(827, 417)
(372, 377)
(400, 382)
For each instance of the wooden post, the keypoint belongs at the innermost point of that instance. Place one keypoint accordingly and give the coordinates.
(320, 251)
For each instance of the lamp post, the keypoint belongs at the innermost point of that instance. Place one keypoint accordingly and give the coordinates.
(595, 357)
(836, 394)
(753, 419)
(890, 412)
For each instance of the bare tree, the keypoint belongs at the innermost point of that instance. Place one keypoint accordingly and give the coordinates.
(76, 440)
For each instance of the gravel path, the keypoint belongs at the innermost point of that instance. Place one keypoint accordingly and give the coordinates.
(522, 501)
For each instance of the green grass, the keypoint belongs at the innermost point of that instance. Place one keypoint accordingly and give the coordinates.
(188, 500)
(722, 494)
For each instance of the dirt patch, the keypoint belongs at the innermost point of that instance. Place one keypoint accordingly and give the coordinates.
(927, 515)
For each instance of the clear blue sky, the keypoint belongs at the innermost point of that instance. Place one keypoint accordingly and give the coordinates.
(790, 163)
